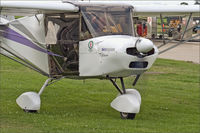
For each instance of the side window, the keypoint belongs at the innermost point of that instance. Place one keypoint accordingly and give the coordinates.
(62, 38)
(85, 33)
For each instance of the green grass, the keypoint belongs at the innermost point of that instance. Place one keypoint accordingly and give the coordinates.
(170, 102)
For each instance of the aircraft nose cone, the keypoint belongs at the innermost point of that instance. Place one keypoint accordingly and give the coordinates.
(144, 45)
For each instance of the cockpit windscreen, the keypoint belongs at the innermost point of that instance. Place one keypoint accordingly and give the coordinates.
(103, 21)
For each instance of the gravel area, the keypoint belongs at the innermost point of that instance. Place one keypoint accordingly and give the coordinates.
(189, 51)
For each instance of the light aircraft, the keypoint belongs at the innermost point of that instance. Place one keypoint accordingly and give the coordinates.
(81, 40)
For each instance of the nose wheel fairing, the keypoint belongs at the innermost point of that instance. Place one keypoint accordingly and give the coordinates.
(127, 103)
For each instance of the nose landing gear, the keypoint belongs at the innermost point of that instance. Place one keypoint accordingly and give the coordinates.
(128, 101)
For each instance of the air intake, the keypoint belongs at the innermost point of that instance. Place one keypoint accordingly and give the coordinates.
(138, 64)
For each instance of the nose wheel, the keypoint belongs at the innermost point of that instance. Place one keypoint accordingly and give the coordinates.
(128, 101)
(130, 116)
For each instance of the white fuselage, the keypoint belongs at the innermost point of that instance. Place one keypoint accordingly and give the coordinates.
(98, 57)
(108, 56)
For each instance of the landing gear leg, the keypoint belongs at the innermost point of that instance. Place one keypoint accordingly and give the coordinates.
(30, 101)
(129, 100)
(136, 79)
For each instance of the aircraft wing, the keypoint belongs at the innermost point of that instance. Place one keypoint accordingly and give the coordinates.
(168, 10)
(150, 8)
(26, 8)
(141, 8)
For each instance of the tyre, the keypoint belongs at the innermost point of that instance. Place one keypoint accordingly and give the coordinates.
(30, 111)
(127, 115)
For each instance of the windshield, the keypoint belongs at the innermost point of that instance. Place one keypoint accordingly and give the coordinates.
(103, 21)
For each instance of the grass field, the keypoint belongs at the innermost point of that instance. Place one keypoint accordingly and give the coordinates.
(170, 102)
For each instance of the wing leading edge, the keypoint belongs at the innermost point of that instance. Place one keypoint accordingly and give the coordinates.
(168, 10)
(150, 8)
(25, 8)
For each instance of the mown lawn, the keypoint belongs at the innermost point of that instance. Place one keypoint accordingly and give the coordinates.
(170, 102)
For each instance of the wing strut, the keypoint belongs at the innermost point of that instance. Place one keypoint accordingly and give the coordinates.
(182, 36)
(162, 25)
(176, 36)
(186, 27)
(23, 62)
(179, 43)
(20, 62)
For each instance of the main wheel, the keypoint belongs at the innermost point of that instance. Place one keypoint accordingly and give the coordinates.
(30, 111)
(127, 115)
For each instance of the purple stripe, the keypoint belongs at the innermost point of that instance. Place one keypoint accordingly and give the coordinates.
(14, 36)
